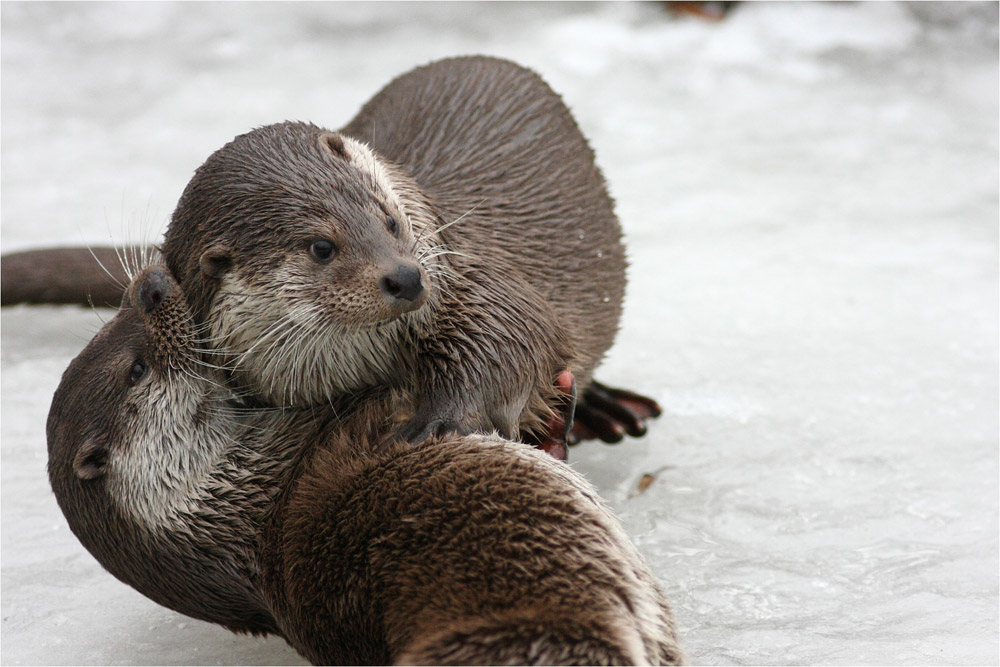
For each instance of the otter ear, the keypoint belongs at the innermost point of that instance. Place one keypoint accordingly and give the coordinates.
(90, 461)
(216, 261)
(333, 144)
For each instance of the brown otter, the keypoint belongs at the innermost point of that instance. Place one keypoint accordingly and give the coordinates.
(466, 550)
(463, 260)
(528, 278)
(97, 276)
(146, 465)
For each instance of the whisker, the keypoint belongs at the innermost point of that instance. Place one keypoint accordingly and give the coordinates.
(460, 218)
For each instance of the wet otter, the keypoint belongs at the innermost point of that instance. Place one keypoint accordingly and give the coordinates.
(466, 550)
(461, 550)
(466, 257)
(146, 465)
(526, 279)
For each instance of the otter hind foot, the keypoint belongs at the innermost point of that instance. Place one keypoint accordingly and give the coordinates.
(608, 414)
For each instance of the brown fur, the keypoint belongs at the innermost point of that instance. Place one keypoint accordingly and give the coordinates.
(196, 564)
(462, 550)
(487, 134)
(467, 550)
(531, 281)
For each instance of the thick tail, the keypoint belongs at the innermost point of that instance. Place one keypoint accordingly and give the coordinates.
(63, 276)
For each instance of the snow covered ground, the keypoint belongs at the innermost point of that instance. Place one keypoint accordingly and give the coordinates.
(810, 197)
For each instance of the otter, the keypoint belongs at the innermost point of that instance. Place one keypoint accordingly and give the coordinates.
(478, 252)
(97, 277)
(455, 242)
(457, 550)
(146, 465)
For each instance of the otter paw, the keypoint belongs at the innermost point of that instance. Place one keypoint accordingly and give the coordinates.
(559, 428)
(609, 414)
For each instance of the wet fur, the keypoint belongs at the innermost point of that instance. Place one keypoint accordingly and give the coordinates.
(489, 140)
(149, 476)
(497, 196)
(460, 550)
(466, 550)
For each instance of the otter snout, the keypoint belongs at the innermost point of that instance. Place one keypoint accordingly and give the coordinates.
(403, 287)
(153, 289)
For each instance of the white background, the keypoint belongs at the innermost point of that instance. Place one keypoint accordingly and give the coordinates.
(809, 193)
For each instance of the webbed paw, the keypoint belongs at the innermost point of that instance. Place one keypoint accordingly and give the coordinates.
(608, 414)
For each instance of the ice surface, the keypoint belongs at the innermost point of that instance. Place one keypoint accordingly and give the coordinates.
(810, 197)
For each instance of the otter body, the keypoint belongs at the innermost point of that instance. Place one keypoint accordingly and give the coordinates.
(459, 550)
(463, 259)
(489, 140)
(454, 243)
(463, 550)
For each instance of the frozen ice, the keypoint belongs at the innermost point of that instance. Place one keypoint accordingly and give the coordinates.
(810, 198)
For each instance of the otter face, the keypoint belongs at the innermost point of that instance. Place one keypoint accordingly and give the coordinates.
(127, 410)
(351, 249)
(138, 439)
(306, 255)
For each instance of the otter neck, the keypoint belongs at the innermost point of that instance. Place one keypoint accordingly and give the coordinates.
(315, 368)
(194, 547)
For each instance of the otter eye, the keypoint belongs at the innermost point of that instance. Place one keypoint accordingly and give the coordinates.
(322, 250)
(138, 372)
(390, 222)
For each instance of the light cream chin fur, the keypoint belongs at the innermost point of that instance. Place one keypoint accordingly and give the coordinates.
(295, 342)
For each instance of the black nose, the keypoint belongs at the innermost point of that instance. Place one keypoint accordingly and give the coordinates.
(402, 283)
(153, 290)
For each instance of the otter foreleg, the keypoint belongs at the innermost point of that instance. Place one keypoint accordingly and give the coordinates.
(491, 363)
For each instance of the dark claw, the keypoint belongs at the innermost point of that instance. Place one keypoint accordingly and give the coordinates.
(599, 425)
(596, 396)
(604, 413)
(643, 406)
(607, 414)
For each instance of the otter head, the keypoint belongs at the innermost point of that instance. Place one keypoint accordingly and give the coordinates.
(123, 383)
(304, 252)
(130, 441)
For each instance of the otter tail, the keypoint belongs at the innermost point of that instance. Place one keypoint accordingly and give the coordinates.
(64, 276)
(531, 637)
